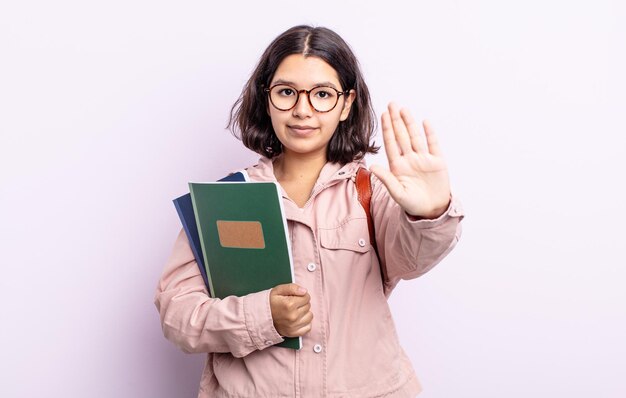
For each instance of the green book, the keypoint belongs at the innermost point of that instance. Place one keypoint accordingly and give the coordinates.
(244, 238)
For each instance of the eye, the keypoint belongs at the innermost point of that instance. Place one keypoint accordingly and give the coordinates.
(286, 92)
(324, 94)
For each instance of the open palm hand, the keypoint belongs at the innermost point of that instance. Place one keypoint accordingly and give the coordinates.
(417, 178)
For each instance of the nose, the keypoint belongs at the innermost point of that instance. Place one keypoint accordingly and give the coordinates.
(303, 107)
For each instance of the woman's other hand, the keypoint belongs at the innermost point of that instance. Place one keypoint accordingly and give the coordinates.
(291, 310)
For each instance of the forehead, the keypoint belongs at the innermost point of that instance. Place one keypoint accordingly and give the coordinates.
(305, 71)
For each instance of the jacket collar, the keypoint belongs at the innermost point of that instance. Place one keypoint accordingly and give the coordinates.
(330, 173)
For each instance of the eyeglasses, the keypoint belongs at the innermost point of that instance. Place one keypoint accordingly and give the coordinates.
(322, 98)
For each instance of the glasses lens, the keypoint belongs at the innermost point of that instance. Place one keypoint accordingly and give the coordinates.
(324, 99)
(283, 97)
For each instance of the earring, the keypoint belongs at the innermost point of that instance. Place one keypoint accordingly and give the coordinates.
(272, 147)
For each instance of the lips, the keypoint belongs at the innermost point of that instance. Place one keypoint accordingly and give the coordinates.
(301, 129)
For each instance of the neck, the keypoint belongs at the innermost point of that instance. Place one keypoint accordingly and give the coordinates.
(298, 167)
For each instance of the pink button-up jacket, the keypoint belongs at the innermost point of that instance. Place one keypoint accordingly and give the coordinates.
(352, 349)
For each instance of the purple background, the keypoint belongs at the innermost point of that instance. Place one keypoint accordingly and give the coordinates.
(108, 110)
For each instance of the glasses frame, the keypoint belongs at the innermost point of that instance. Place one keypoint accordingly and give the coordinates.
(308, 96)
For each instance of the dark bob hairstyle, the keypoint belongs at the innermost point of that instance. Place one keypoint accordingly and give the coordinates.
(351, 140)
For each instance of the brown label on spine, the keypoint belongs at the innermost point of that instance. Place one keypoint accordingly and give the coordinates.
(241, 234)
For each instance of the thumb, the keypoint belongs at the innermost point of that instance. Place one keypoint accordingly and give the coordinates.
(289, 289)
(387, 178)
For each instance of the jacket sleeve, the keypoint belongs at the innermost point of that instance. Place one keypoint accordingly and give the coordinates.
(407, 248)
(195, 322)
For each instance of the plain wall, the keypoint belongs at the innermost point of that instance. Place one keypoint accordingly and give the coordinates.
(108, 109)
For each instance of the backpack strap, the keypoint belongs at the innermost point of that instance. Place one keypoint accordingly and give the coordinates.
(364, 193)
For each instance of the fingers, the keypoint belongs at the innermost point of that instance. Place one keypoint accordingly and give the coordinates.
(299, 328)
(296, 328)
(399, 129)
(289, 289)
(300, 302)
(402, 134)
(418, 144)
(431, 139)
(391, 146)
(304, 326)
(291, 317)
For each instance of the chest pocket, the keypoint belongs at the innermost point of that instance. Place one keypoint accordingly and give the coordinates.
(351, 234)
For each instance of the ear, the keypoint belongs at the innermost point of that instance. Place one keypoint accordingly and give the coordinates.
(347, 104)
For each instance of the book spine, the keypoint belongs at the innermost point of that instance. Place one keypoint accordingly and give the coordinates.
(184, 208)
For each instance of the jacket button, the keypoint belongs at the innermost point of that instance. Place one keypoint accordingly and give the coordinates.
(317, 348)
(268, 342)
(362, 242)
(311, 267)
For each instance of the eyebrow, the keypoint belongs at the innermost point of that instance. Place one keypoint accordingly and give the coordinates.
(282, 81)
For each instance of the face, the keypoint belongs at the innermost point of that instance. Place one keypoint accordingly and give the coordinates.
(302, 130)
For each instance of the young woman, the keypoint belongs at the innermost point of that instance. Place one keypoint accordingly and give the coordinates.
(306, 109)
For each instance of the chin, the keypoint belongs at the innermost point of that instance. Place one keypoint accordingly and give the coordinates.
(304, 150)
